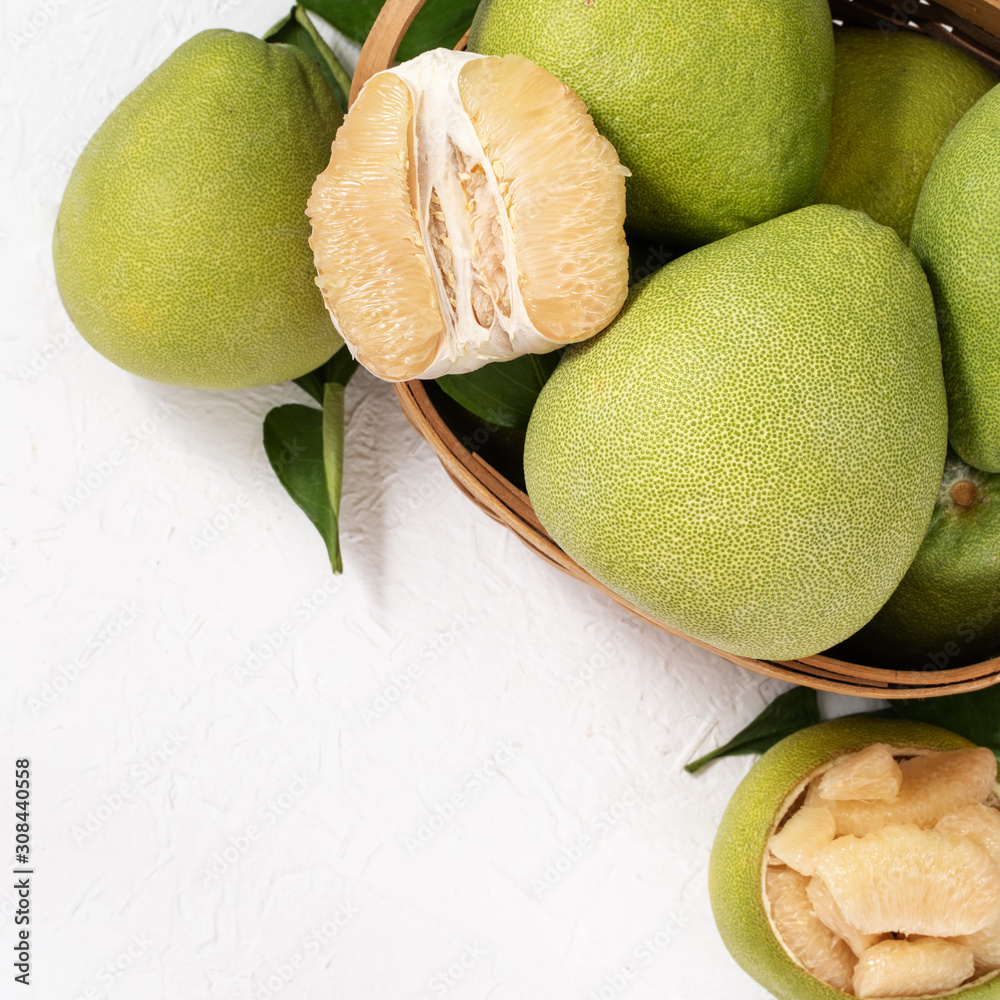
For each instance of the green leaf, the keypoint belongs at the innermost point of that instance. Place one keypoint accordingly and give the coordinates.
(305, 447)
(787, 714)
(338, 369)
(974, 715)
(504, 392)
(295, 28)
(293, 440)
(333, 449)
(440, 23)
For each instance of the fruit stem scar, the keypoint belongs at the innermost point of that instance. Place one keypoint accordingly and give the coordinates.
(964, 493)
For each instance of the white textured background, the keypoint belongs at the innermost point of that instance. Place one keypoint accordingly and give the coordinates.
(233, 798)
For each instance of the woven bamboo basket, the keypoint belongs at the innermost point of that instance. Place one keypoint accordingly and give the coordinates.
(973, 25)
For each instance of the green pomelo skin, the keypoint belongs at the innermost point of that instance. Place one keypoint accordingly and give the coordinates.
(181, 248)
(752, 450)
(956, 235)
(735, 871)
(896, 97)
(721, 109)
(946, 610)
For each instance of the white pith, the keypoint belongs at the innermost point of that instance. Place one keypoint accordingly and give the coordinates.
(446, 155)
(787, 806)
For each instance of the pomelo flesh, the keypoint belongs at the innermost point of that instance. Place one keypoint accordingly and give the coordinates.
(470, 213)
(872, 775)
(912, 968)
(933, 785)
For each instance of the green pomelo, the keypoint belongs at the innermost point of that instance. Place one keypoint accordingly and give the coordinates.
(751, 451)
(721, 109)
(182, 246)
(736, 867)
(896, 97)
(956, 235)
(946, 610)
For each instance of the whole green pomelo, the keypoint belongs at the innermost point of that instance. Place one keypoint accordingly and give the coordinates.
(739, 854)
(182, 246)
(956, 235)
(721, 108)
(946, 610)
(751, 451)
(896, 97)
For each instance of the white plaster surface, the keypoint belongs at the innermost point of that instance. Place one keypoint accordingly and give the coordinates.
(233, 796)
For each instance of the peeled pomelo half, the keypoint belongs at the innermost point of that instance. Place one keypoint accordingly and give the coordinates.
(774, 788)
(933, 785)
(470, 213)
(912, 968)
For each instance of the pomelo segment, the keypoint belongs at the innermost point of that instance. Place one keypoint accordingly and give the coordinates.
(912, 968)
(933, 785)
(470, 213)
(562, 186)
(871, 775)
(802, 838)
(399, 315)
(819, 950)
(826, 908)
(905, 880)
(984, 945)
(981, 824)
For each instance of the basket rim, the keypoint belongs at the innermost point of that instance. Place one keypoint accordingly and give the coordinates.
(976, 28)
(506, 503)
